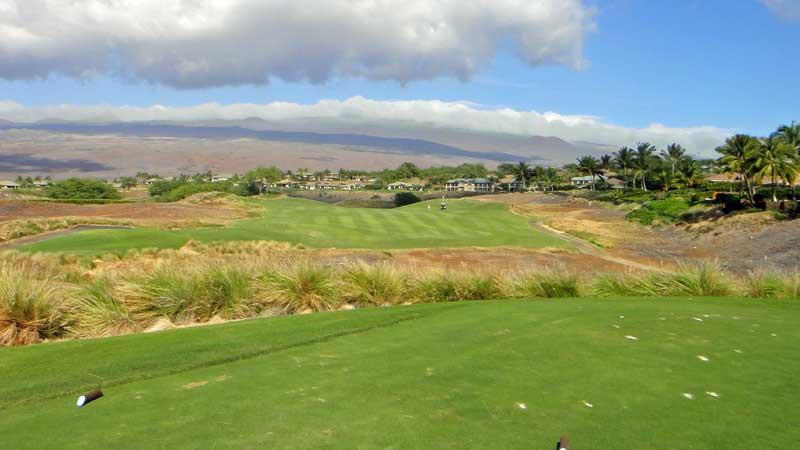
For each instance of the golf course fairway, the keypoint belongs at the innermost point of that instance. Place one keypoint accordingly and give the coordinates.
(466, 223)
(612, 374)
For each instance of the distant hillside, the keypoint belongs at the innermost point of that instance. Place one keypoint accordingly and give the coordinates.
(391, 144)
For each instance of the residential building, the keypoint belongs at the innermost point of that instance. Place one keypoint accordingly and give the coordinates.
(470, 185)
(8, 184)
(587, 180)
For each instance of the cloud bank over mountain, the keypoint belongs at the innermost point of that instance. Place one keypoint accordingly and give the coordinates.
(408, 113)
(197, 44)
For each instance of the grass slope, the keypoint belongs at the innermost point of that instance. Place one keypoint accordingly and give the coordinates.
(317, 224)
(433, 376)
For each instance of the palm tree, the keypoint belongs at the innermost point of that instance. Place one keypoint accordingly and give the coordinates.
(589, 165)
(673, 154)
(605, 163)
(523, 172)
(735, 159)
(642, 161)
(688, 172)
(624, 159)
(773, 157)
(789, 134)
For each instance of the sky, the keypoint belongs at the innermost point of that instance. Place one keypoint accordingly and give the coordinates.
(608, 71)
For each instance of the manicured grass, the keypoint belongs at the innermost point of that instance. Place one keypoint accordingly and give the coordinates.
(321, 225)
(432, 376)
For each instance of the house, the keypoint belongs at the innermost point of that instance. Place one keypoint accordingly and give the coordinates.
(285, 184)
(8, 184)
(403, 186)
(512, 184)
(221, 177)
(587, 180)
(615, 183)
(470, 185)
(724, 178)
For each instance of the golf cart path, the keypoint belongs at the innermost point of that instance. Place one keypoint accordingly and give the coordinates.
(589, 248)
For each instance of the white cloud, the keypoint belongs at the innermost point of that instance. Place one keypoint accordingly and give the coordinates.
(451, 115)
(785, 9)
(196, 43)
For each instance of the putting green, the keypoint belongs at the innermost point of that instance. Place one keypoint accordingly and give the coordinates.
(321, 225)
(433, 376)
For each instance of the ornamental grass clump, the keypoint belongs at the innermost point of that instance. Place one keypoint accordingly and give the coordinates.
(434, 287)
(763, 284)
(33, 305)
(701, 280)
(167, 292)
(378, 284)
(477, 286)
(228, 292)
(301, 288)
(101, 312)
(547, 283)
(649, 284)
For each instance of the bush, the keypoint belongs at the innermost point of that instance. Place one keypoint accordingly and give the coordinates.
(405, 198)
(668, 210)
(80, 188)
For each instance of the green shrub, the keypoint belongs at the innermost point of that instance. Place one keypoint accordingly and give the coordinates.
(406, 198)
(667, 210)
(81, 188)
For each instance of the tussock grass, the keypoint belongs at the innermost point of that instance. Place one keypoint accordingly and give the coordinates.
(102, 312)
(32, 305)
(302, 288)
(766, 284)
(551, 282)
(701, 280)
(46, 297)
(378, 284)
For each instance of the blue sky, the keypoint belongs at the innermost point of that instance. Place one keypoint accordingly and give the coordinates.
(731, 64)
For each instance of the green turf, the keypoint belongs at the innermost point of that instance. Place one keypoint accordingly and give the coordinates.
(321, 225)
(434, 376)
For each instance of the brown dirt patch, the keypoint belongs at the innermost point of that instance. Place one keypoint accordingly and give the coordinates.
(194, 384)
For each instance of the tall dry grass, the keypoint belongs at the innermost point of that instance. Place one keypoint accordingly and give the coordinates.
(34, 305)
(49, 297)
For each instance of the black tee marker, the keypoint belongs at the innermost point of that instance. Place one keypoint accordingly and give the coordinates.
(84, 400)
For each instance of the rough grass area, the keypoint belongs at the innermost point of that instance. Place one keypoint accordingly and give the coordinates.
(320, 225)
(477, 375)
